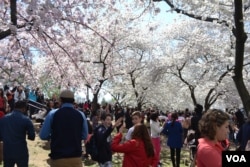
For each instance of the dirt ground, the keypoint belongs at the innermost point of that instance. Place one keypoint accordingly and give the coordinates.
(39, 150)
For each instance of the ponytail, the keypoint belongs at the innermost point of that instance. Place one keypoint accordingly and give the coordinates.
(174, 117)
(173, 121)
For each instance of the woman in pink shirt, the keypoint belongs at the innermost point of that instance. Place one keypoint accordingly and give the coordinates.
(214, 128)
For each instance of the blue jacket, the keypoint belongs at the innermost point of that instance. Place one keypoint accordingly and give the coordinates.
(32, 96)
(244, 135)
(66, 127)
(174, 134)
(14, 127)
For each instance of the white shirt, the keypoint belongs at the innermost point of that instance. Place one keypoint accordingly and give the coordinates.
(129, 133)
(162, 117)
(155, 129)
(181, 118)
(19, 96)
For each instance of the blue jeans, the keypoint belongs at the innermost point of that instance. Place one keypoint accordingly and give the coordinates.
(20, 162)
(106, 164)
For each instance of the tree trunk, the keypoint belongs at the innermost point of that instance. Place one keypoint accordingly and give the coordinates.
(191, 88)
(206, 106)
(243, 92)
(239, 55)
(94, 104)
(13, 11)
(139, 106)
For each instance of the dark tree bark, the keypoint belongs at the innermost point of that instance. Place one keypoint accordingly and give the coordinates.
(13, 10)
(94, 105)
(241, 38)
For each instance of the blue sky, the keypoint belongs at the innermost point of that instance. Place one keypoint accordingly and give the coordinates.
(166, 16)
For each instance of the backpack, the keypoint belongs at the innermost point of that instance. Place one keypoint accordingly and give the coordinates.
(91, 146)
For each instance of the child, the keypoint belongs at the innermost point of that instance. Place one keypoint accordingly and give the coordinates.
(136, 119)
(103, 142)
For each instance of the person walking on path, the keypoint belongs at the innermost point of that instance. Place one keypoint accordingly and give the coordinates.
(173, 130)
(32, 96)
(155, 131)
(243, 136)
(194, 126)
(14, 127)
(19, 94)
(66, 127)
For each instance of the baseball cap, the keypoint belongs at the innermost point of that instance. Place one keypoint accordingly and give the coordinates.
(67, 94)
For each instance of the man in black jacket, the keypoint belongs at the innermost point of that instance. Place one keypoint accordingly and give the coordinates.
(194, 125)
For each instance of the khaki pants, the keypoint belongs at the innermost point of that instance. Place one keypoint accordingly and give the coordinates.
(66, 162)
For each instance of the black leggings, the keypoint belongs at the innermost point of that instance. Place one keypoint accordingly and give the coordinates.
(175, 160)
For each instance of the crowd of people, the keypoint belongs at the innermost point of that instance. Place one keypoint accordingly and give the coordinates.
(10, 95)
(138, 134)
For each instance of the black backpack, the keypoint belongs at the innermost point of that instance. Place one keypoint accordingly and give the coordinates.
(91, 146)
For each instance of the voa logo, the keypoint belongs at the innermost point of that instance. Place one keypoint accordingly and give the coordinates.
(236, 158)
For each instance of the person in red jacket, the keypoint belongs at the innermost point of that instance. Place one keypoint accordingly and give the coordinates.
(139, 151)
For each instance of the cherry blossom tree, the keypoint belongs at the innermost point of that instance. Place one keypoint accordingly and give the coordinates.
(77, 39)
(228, 13)
(75, 43)
(138, 60)
(199, 62)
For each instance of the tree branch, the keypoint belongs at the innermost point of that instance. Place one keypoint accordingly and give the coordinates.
(13, 12)
(208, 19)
(66, 52)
